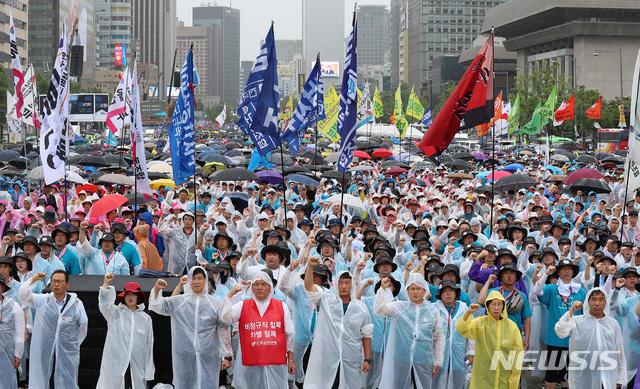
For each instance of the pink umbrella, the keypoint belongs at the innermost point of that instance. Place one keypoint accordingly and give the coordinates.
(498, 175)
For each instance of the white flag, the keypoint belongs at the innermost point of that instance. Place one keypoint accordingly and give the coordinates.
(137, 135)
(365, 110)
(632, 167)
(55, 123)
(29, 93)
(502, 125)
(12, 123)
(18, 77)
(222, 117)
(117, 111)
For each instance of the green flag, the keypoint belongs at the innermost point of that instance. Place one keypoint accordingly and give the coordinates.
(514, 116)
(534, 126)
(377, 104)
(414, 108)
(547, 110)
(398, 116)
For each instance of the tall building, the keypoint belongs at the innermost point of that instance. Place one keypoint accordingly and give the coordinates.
(206, 48)
(154, 36)
(228, 62)
(286, 49)
(45, 25)
(593, 41)
(115, 28)
(20, 20)
(374, 43)
(397, 24)
(437, 28)
(323, 31)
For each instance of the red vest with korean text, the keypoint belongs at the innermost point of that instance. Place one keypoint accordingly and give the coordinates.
(262, 337)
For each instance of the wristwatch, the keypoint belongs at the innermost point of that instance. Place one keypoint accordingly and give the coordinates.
(228, 358)
(369, 361)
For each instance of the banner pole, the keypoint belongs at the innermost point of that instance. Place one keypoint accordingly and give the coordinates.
(284, 206)
(315, 151)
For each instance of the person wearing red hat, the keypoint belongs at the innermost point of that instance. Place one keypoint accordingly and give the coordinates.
(127, 361)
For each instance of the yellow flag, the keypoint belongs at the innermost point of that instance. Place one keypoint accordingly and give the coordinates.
(414, 108)
(287, 110)
(378, 109)
(398, 116)
(359, 96)
(329, 126)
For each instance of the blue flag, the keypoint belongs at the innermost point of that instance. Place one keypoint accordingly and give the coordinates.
(348, 114)
(311, 101)
(426, 118)
(258, 160)
(259, 108)
(182, 131)
(111, 140)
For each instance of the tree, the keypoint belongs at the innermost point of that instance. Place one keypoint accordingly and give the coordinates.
(448, 89)
(4, 84)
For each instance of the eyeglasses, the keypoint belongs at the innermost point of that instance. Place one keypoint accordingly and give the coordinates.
(58, 281)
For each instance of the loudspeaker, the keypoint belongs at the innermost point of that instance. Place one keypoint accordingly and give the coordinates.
(77, 59)
(177, 80)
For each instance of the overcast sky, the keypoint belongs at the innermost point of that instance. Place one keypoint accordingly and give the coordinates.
(255, 16)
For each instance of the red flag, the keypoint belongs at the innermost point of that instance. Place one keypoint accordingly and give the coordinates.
(471, 93)
(391, 117)
(594, 111)
(497, 108)
(565, 112)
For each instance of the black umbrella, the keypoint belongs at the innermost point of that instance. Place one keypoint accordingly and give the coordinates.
(483, 189)
(232, 145)
(280, 159)
(319, 168)
(8, 155)
(514, 182)
(590, 185)
(569, 146)
(94, 160)
(334, 174)
(96, 175)
(324, 144)
(392, 163)
(233, 174)
(298, 169)
(584, 158)
(447, 158)
(315, 158)
(615, 159)
(464, 156)
(216, 158)
(458, 164)
(20, 162)
(457, 148)
(158, 176)
(133, 199)
(602, 155)
(84, 149)
(240, 200)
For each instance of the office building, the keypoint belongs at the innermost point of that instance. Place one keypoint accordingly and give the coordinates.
(154, 34)
(20, 20)
(115, 32)
(323, 31)
(206, 48)
(286, 49)
(374, 43)
(569, 33)
(227, 21)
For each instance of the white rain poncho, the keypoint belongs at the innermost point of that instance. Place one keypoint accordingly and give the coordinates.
(129, 342)
(626, 312)
(381, 328)
(54, 332)
(11, 341)
(416, 338)
(592, 339)
(452, 373)
(180, 248)
(198, 338)
(269, 376)
(338, 339)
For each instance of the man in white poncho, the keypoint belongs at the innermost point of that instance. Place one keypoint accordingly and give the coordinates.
(596, 350)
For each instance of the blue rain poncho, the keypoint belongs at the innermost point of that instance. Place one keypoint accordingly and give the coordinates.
(416, 338)
(590, 338)
(198, 338)
(54, 332)
(129, 343)
(337, 343)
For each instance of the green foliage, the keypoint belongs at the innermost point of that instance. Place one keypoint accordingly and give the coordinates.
(4, 84)
(448, 89)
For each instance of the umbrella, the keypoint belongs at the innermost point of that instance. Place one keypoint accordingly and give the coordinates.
(514, 167)
(582, 173)
(557, 178)
(270, 176)
(382, 153)
(459, 175)
(158, 176)
(464, 156)
(457, 148)
(87, 188)
(590, 185)
(361, 154)
(479, 155)
(304, 180)
(458, 164)
(554, 169)
(212, 166)
(334, 174)
(20, 162)
(568, 146)
(7, 155)
(94, 160)
(161, 167)
(233, 174)
(107, 204)
(497, 175)
(217, 158)
(525, 152)
(560, 158)
(156, 184)
(361, 168)
(613, 159)
(483, 189)
(240, 200)
(232, 145)
(514, 182)
(314, 157)
(38, 174)
(333, 157)
(348, 200)
(298, 169)
(280, 159)
(134, 199)
(117, 179)
(585, 158)
(233, 153)
(395, 170)
(602, 155)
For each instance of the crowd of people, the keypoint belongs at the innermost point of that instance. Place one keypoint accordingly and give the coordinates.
(418, 281)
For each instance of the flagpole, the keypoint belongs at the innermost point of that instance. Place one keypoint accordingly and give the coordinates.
(195, 191)
(493, 147)
(66, 213)
(135, 176)
(315, 151)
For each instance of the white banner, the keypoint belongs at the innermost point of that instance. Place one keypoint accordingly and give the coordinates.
(222, 117)
(15, 130)
(18, 77)
(55, 123)
(116, 114)
(137, 135)
(29, 91)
